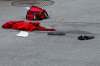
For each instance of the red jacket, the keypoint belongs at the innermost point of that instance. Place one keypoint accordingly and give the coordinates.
(25, 26)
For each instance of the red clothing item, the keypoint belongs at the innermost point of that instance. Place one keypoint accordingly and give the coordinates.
(25, 26)
(36, 13)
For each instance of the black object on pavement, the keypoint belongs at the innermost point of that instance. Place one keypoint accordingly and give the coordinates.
(57, 33)
(85, 37)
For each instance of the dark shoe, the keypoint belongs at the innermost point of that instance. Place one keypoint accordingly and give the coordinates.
(85, 37)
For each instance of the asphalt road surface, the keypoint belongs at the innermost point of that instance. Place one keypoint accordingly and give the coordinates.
(39, 49)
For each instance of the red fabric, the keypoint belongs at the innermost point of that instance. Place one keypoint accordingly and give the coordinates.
(35, 8)
(8, 25)
(36, 13)
(25, 26)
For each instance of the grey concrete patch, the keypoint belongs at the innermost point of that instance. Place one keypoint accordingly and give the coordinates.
(41, 50)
